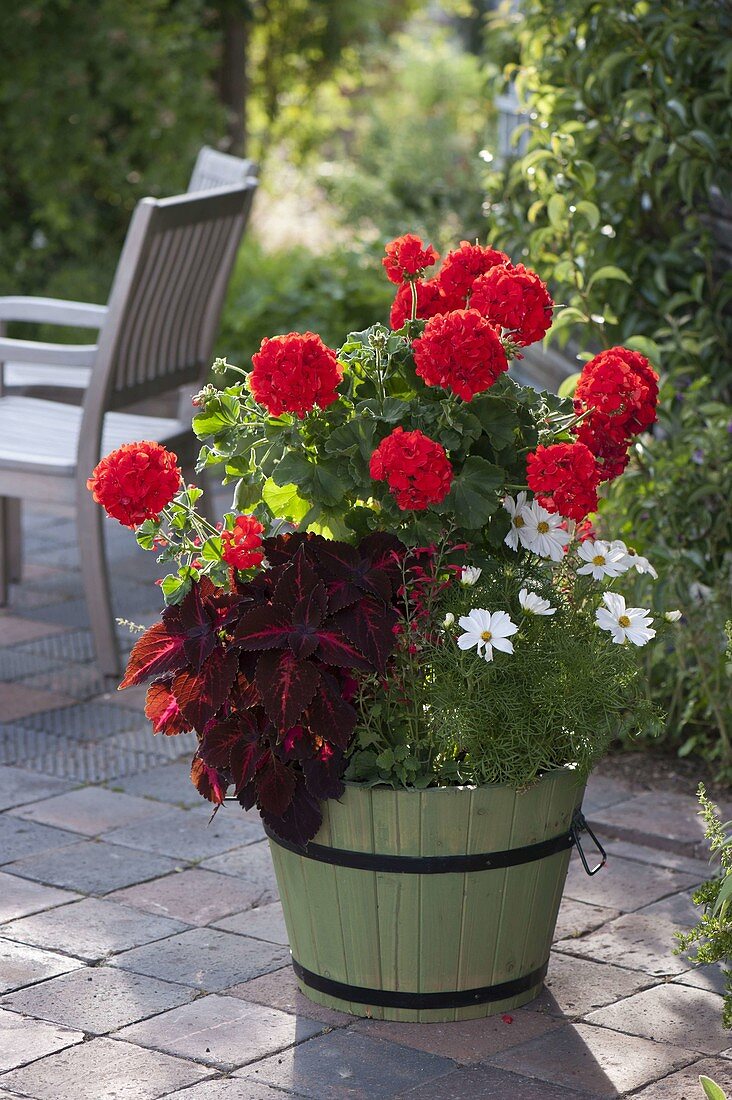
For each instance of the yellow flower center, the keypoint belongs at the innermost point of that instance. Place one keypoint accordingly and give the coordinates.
(542, 527)
(624, 621)
(599, 559)
(519, 521)
(486, 635)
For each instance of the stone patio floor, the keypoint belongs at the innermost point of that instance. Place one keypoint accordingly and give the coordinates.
(142, 950)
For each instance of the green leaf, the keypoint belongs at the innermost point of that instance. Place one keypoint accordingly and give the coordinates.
(356, 435)
(645, 346)
(175, 586)
(474, 493)
(711, 1090)
(569, 385)
(212, 549)
(589, 212)
(556, 210)
(284, 501)
(146, 532)
(609, 271)
(497, 420)
(247, 495)
(221, 412)
(293, 469)
(328, 486)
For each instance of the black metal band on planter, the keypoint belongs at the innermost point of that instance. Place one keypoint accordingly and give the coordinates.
(429, 865)
(393, 998)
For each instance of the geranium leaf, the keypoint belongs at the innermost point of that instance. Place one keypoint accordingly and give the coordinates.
(474, 493)
(370, 626)
(201, 694)
(161, 708)
(287, 686)
(275, 783)
(208, 781)
(156, 651)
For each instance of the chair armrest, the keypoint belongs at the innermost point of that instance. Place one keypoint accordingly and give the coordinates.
(53, 311)
(57, 355)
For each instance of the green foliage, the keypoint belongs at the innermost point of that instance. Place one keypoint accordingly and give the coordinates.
(295, 290)
(409, 160)
(711, 938)
(712, 1091)
(102, 102)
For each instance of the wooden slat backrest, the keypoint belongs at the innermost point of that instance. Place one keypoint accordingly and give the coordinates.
(165, 303)
(215, 169)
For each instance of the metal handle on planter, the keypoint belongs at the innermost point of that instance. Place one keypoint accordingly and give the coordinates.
(579, 825)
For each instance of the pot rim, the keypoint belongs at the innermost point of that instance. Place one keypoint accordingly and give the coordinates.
(565, 770)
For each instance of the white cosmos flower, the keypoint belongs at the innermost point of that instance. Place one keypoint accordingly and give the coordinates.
(602, 560)
(632, 560)
(542, 532)
(448, 621)
(535, 605)
(486, 631)
(516, 510)
(631, 624)
(672, 616)
(470, 575)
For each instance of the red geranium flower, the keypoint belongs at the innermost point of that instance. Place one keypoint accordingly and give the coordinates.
(294, 373)
(460, 351)
(516, 299)
(463, 265)
(611, 454)
(241, 547)
(416, 469)
(430, 302)
(406, 258)
(621, 388)
(135, 482)
(564, 478)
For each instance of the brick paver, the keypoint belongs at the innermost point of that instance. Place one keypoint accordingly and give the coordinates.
(143, 952)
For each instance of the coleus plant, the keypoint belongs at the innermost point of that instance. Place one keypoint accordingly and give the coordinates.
(350, 467)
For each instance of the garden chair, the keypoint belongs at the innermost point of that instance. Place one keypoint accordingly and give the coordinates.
(156, 336)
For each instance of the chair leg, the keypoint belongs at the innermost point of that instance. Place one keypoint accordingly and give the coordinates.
(4, 555)
(95, 575)
(14, 539)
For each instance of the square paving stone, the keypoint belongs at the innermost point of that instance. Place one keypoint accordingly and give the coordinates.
(489, 1083)
(194, 896)
(92, 867)
(602, 791)
(21, 965)
(709, 977)
(205, 958)
(91, 929)
(16, 631)
(84, 721)
(603, 1063)
(86, 762)
(80, 682)
(684, 1085)
(665, 819)
(189, 834)
(97, 999)
(279, 989)
(15, 664)
(633, 941)
(25, 838)
(104, 1069)
(165, 783)
(221, 1031)
(19, 897)
(670, 1013)
(252, 864)
(679, 909)
(577, 918)
(659, 857)
(89, 810)
(623, 884)
(227, 1089)
(20, 787)
(467, 1041)
(71, 645)
(343, 1063)
(23, 1040)
(263, 923)
(574, 987)
(20, 703)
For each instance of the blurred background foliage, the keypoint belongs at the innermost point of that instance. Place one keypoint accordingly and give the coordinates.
(370, 118)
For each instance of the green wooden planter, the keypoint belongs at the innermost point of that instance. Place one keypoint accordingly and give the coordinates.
(457, 927)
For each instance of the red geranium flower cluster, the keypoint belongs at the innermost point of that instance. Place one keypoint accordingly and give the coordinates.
(460, 351)
(406, 258)
(241, 546)
(415, 468)
(516, 299)
(463, 265)
(135, 482)
(430, 302)
(294, 373)
(564, 479)
(619, 391)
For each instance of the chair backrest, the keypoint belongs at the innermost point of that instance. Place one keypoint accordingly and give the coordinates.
(166, 301)
(215, 169)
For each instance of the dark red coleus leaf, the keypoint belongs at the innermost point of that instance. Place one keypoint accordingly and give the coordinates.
(233, 746)
(201, 694)
(369, 624)
(302, 818)
(323, 773)
(208, 781)
(244, 694)
(275, 783)
(158, 650)
(266, 627)
(162, 709)
(335, 649)
(286, 685)
(330, 715)
(199, 622)
(298, 744)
